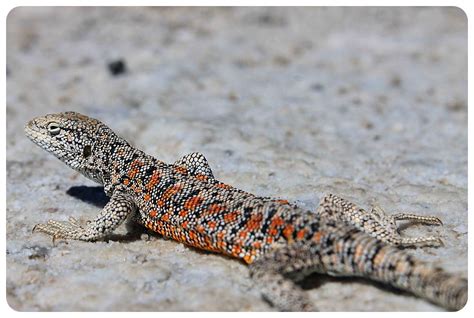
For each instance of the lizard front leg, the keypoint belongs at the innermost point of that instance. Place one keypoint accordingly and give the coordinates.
(376, 223)
(114, 213)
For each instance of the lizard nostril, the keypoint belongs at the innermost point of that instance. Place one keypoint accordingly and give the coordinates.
(29, 125)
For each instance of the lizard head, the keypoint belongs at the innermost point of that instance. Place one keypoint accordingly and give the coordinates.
(73, 138)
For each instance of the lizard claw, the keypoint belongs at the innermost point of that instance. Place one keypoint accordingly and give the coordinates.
(54, 237)
(440, 243)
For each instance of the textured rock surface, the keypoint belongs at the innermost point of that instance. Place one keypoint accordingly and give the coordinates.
(370, 104)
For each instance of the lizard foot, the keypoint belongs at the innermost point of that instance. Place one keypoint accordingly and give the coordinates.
(421, 241)
(62, 230)
(414, 218)
(428, 220)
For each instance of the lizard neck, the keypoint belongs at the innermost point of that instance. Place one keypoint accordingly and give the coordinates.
(107, 153)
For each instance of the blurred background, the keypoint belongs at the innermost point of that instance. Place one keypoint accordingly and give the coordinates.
(367, 103)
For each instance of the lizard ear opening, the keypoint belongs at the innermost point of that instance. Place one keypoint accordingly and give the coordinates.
(87, 151)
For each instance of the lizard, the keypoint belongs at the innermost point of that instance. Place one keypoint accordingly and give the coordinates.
(281, 242)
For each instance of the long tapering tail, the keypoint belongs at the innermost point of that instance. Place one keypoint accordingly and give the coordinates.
(359, 254)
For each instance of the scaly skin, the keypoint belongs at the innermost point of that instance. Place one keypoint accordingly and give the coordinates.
(278, 240)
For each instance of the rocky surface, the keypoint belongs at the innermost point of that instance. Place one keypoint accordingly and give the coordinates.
(370, 104)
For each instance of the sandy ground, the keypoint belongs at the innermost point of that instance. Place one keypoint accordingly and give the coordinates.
(370, 104)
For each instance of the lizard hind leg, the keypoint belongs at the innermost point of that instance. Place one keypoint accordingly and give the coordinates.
(377, 223)
(196, 164)
(272, 275)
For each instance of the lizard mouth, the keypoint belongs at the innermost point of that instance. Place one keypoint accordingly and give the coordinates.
(30, 130)
(33, 132)
(41, 137)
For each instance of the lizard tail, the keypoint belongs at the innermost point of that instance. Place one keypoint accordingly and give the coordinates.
(404, 271)
(361, 255)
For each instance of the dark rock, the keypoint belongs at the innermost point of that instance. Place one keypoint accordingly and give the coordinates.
(117, 67)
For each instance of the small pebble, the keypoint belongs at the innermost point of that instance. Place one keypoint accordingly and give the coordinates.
(117, 67)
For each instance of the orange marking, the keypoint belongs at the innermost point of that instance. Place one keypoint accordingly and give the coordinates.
(136, 163)
(288, 232)
(317, 236)
(282, 201)
(300, 234)
(184, 225)
(223, 186)
(169, 193)
(243, 234)
(231, 216)
(236, 249)
(126, 181)
(152, 213)
(254, 222)
(401, 266)
(192, 236)
(212, 225)
(174, 236)
(208, 242)
(257, 244)
(269, 240)
(273, 232)
(379, 257)
(136, 189)
(277, 221)
(154, 179)
(221, 244)
(201, 229)
(134, 168)
(193, 203)
(248, 258)
(358, 251)
(215, 208)
(146, 197)
(183, 213)
(202, 177)
(165, 217)
(132, 173)
(181, 169)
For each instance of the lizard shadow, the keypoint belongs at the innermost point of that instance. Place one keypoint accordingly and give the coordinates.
(93, 195)
(316, 280)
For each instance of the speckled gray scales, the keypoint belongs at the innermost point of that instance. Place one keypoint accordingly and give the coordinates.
(281, 242)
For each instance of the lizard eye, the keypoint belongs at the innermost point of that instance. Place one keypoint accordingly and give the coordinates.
(87, 151)
(54, 128)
